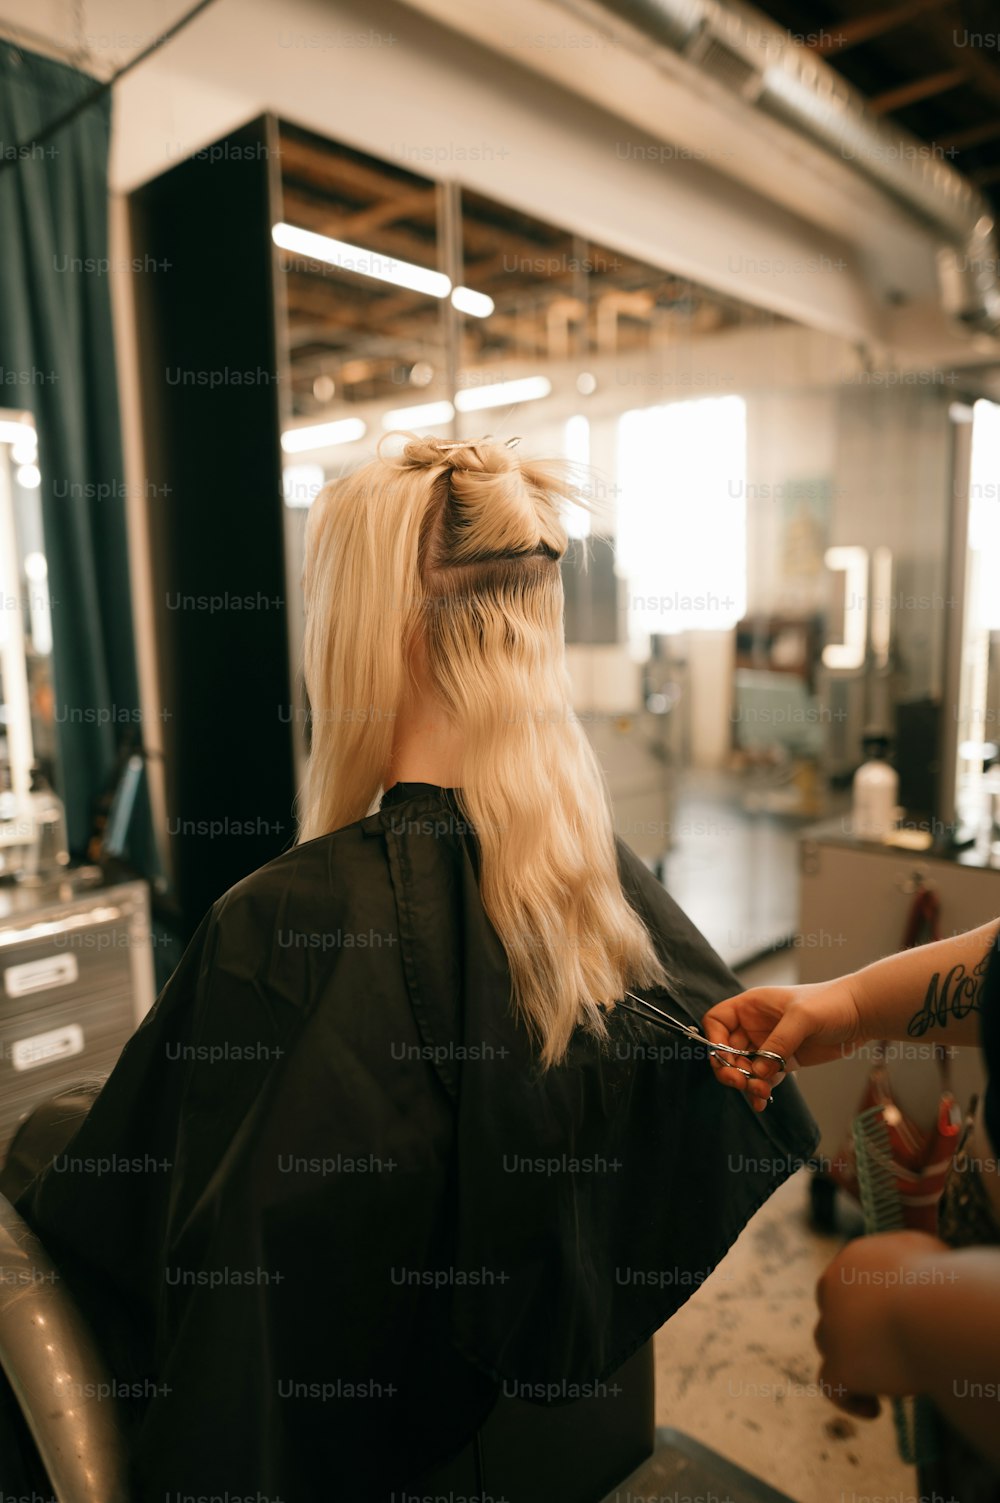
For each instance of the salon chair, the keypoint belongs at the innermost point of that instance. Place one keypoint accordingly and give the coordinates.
(62, 1434)
(603, 1449)
(64, 1418)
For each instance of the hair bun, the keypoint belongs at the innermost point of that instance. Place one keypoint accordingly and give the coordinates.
(489, 503)
(487, 455)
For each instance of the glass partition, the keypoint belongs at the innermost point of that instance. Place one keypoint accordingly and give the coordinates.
(766, 554)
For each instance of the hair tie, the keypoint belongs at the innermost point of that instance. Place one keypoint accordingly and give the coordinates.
(473, 443)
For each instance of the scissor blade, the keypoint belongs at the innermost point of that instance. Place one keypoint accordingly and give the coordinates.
(664, 1020)
(667, 1021)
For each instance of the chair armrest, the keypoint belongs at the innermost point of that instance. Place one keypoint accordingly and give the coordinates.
(56, 1373)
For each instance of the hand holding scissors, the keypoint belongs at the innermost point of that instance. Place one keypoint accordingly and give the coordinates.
(802, 1025)
(719, 1051)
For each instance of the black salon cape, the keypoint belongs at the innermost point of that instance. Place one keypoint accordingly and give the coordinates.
(327, 1202)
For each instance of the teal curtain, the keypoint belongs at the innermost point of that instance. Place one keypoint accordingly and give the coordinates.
(57, 360)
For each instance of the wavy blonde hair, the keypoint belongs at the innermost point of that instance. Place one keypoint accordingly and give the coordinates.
(460, 545)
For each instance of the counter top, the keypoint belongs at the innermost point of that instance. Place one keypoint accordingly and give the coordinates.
(838, 832)
(21, 899)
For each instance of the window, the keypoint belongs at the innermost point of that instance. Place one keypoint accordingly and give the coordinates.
(682, 515)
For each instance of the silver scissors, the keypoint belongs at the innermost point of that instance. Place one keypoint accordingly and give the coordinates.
(666, 1021)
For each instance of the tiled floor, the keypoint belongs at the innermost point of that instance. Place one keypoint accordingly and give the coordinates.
(736, 1366)
(736, 1369)
(733, 866)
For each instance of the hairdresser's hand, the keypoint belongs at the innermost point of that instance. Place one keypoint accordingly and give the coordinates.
(806, 1025)
(862, 1313)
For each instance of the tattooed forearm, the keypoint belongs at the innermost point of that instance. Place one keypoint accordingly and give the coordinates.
(953, 993)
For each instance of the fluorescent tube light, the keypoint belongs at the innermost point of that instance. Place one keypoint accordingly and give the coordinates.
(322, 435)
(478, 304)
(422, 415)
(502, 393)
(365, 263)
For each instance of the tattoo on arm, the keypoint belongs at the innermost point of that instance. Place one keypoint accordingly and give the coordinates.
(954, 993)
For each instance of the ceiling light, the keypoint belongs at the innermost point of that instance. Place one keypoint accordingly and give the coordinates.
(422, 415)
(322, 435)
(29, 476)
(476, 303)
(364, 263)
(17, 433)
(502, 393)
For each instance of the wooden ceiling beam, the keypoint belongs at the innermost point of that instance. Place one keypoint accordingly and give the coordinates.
(391, 240)
(982, 73)
(327, 168)
(916, 90)
(401, 326)
(877, 23)
(309, 326)
(391, 210)
(975, 135)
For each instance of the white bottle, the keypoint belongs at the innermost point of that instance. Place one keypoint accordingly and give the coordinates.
(48, 852)
(875, 792)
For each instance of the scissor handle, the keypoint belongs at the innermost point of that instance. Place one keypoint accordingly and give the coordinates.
(745, 1054)
(770, 1054)
(747, 1074)
(729, 1049)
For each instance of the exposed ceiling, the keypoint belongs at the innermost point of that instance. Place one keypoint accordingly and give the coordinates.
(354, 339)
(932, 66)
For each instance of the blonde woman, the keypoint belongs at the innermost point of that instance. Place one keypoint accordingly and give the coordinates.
(418, 1158)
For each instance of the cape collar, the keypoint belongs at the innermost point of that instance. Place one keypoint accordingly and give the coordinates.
(399, 792)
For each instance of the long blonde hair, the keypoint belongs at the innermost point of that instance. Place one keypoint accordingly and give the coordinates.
(460, 544)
